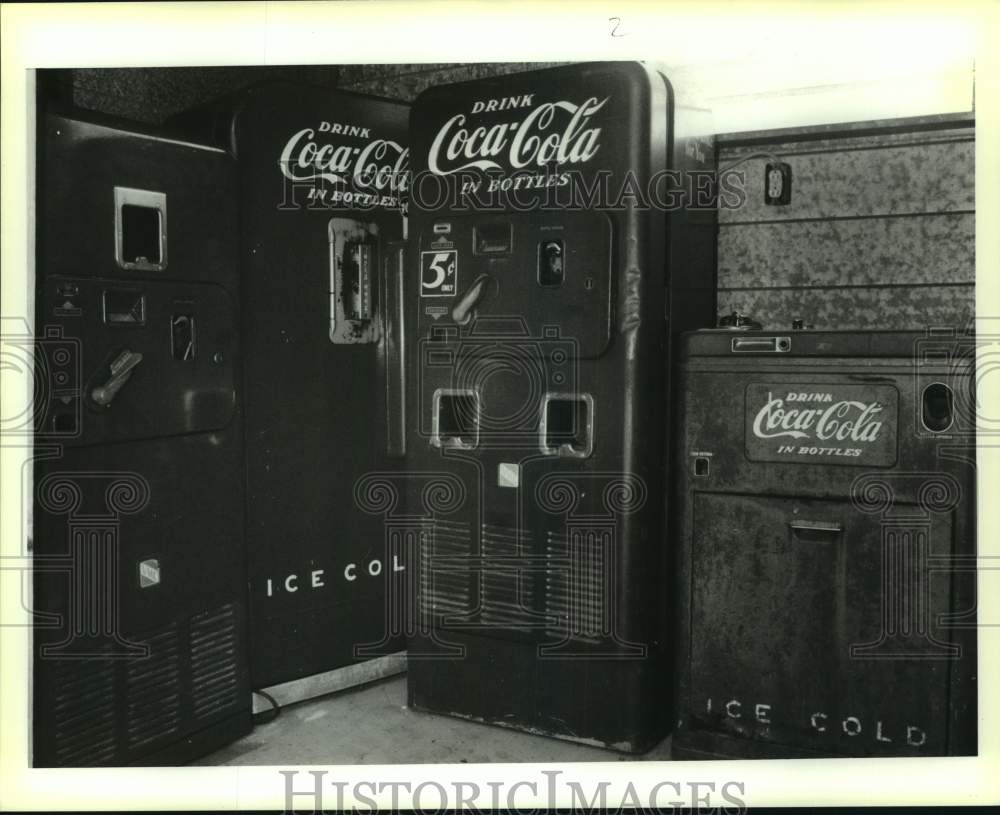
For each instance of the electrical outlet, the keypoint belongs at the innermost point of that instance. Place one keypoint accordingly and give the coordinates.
(778, 183)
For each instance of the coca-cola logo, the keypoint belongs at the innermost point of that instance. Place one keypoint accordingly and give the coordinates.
(380, 165)
(560, 132)
(796, 416)
(848, 423)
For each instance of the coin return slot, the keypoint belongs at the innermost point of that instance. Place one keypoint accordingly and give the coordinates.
(491, 239)
(701, 466)
(937, 407)
(456, 419)
(551, 265)
(182, 339)
(123, 307)
(357, 281)
(567, 426)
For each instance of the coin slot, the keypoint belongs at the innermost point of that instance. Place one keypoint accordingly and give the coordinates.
(551, 263)
(937, 407)
(182, 337)
(567, 426)
(761, 345)
(456, 419)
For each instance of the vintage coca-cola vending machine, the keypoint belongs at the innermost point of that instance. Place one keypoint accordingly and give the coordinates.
(826, 582)
(137, 540)
(545, 276)
(322, 186)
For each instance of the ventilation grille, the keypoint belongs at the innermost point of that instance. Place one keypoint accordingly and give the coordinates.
(444, 579)
(153, 690)
(84, 712)
(576, 583)
(508, 584)
(214, 674)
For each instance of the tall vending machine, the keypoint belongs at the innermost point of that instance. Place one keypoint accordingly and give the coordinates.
(137, 538)
(553, 253)
(322, 186)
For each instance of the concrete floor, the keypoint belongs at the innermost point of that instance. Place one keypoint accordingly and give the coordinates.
(372, 725)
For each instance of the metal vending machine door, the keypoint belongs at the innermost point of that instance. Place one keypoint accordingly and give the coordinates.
(322, 183)
(140, 635)
(535, 297)
(828, 500)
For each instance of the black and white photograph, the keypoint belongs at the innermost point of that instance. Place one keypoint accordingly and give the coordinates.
(600, 421)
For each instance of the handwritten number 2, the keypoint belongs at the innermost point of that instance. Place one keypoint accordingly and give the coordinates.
(615, 25)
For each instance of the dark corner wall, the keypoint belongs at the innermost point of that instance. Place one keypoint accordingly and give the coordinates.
(879, 232)
(152, 95)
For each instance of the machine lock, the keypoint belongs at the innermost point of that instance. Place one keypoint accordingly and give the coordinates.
(121, 371)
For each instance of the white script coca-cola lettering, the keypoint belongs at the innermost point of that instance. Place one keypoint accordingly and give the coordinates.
(843, 420)
(381, 164)
(553, 131)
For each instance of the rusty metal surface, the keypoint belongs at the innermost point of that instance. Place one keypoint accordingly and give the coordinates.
(811, 584)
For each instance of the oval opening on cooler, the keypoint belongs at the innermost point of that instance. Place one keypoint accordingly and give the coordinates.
(937, 407)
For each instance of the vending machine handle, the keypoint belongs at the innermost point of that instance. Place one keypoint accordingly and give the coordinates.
(121, 371)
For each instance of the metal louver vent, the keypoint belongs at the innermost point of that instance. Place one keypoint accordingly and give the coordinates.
(84, 713)
(508, 593)
(444, 583)
(213, 661)
(153, 690)
(576, 599)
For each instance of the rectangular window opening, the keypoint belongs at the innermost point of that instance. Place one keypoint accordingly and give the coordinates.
(140, 235)
(568, 426)
(140, 229)
(457, 420)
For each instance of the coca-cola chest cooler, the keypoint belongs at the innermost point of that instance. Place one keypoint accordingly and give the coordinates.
(322, 177)
(825, 594)
(536, 326)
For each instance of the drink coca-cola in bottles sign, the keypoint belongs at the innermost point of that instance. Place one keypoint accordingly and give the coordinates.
(837, 424)
(517, 144)
(344, 165)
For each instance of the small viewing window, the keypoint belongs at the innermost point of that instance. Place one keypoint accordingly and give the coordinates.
(567, 426)
(455, 419)
(140, 229)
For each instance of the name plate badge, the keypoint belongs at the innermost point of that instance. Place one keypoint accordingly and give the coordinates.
(828, 423)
